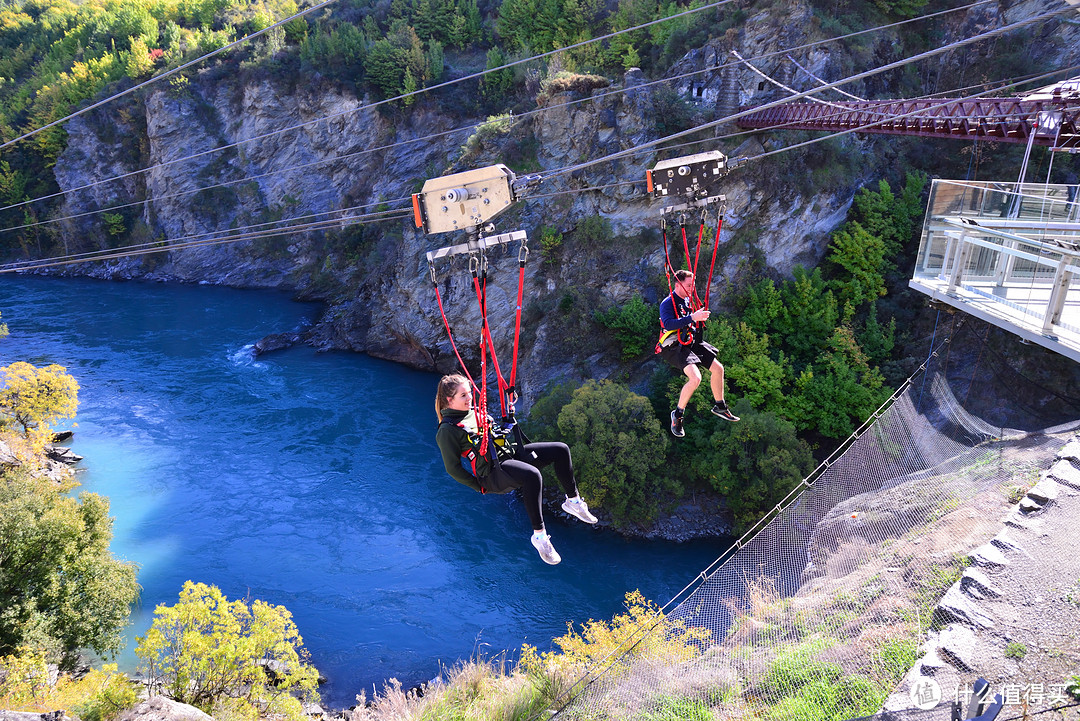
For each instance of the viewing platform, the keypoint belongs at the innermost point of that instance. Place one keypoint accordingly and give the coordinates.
(1006, 253)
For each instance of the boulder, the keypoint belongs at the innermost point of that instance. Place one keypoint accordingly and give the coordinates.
(956, 643)
(989, 555)
(1028, 505)
(975, 584)
(1065, 472)
(1044, 491)
(159, 708)
(63, 454)
(1071, 451)
(275, 341)
(59, 715)
(958, 607)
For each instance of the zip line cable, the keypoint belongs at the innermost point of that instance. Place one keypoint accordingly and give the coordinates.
(115, 254)
(1003, 83)
(651, 144)
(594, 97)
(95, 256)
(434, 135)
(540, 110)
(166, 74)
(27, 264)
(403, 96)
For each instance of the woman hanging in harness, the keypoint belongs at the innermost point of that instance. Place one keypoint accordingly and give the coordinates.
(487, 462)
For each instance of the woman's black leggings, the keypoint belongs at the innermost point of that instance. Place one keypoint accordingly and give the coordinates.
(525, 476)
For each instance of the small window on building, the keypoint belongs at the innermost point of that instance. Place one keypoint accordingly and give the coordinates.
(761, 85)
(699, 91)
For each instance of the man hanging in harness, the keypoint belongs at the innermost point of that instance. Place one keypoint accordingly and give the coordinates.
(681, 345)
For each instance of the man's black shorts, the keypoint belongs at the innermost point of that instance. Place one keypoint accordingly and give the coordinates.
(680, 356)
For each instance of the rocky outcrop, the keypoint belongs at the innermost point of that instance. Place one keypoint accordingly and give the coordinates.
(313, 151)
(1013, 620)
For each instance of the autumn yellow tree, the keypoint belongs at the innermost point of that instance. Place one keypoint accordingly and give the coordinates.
(227, 656)
(32, 399)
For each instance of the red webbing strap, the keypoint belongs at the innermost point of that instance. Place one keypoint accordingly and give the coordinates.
(491, 348)
(686, 247)
(715, 247)
(446, 324)
(697, 252)
(517, 319)
(481, 404)
(668, 270)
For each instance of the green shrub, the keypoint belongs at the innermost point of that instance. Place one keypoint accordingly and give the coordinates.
(1016, 650)
(618, 447)
(107, 693)
(754, 463)
(550, 243)
(495, 126)
(635, 325)
(98, 695)
(593, 231)
(680, 709)
(61, 589)
(804, 687)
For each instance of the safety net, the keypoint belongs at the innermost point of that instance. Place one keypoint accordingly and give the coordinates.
(825, 609)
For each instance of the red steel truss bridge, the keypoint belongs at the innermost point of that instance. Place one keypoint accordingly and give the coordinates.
(1048, 117)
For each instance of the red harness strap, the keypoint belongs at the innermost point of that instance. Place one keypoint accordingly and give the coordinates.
(449, 334)
(478, 267)
(523, 254)
(715, 247)
(481, 404)
(695, 301)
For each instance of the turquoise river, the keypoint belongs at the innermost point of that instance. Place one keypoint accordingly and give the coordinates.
(308, 480)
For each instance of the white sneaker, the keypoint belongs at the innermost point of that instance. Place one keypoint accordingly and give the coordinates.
(579, 509)
(546, 550)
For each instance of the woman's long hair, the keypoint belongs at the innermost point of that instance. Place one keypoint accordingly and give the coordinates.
(448, 386)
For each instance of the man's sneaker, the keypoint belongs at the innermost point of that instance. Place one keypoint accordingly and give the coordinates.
(546, 550)
(580, 509)
(723, 412)
(676, 426)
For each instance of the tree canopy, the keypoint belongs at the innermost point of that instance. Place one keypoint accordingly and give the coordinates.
(60, 587)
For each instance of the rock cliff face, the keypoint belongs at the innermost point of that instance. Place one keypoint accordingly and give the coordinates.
(310, 151)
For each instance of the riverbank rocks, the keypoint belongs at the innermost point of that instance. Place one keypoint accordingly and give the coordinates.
(63, 454)
(697, 517)
(57, 461)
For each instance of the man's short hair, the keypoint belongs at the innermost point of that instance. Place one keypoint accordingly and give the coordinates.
(683, 274)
